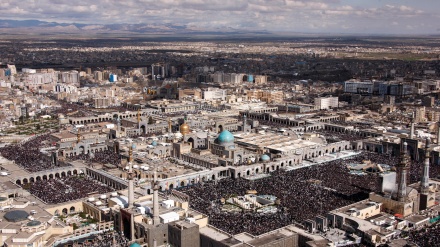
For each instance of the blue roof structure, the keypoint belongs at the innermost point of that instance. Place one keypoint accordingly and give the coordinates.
(265, 157)
(225, 137)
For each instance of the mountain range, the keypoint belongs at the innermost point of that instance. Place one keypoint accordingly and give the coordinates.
(35, 27)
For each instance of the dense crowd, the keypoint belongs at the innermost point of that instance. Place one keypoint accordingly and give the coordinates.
(416, 171)
(105, 239)
(102, 157)
(304, 193)
(28, 155)
(332, 136)
(68, 108)
(425, 237)
(66, 189)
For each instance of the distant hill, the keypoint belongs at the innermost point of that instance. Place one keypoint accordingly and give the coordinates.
(43, 27)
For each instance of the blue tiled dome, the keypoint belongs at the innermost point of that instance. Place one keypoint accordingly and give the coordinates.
(225, 137)
(154, 143)
(265, 157)
(135, 245)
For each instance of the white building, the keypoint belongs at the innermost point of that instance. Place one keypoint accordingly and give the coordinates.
(35, 81)
(214, 93)
(69, 77)
(326, 103)
(59, 88)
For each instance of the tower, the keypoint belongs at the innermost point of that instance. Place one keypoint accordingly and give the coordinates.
(170, 130)
(118, 122)
(78, 136)
(411, 136)
(139, 115)
(155, 185)
(424, 185)
(438, 133)
(244, 122)
(130, 177)
(402, 169)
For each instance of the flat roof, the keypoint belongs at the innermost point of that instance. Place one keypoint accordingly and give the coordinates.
(214, 233)
(274, 141)
(267, 239)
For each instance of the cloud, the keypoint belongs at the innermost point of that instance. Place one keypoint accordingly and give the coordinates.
(272, 15)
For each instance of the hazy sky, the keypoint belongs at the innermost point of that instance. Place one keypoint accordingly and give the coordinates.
(317, 16)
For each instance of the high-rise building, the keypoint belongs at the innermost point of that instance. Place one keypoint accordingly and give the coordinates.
(98, 75)
(360, 87)
(102, 102)
(268, 96)
(69, 77)
(113, 78)
(324, 103)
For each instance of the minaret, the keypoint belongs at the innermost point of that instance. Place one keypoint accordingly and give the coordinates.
(424, 185)
(130, 177)
(118, 122)
(78, 136)
(170, 130)
(402, 169)
(139, 116)
(244, 122)
(438, 133)
(156, 220)
(411, 136)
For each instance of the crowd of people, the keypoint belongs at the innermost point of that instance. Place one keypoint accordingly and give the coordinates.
(425, 237)
(357, 125)
(332, 136)
(28, 155)
(66, 108)
(105, 239)
(66, 189)
(102, 157)
(304, 193)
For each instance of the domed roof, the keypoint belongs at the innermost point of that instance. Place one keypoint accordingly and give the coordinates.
(135, 245)
(33, 223)
(265, 157)
(154, 143)
(225, 137)
(16, 215)
(184, 129)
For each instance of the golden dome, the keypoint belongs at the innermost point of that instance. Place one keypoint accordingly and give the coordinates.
(184, 129)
